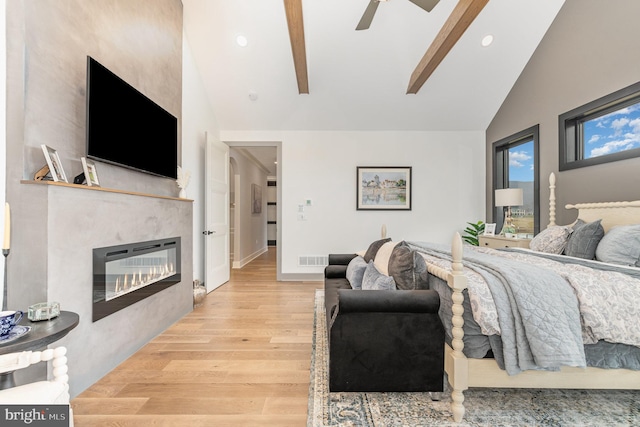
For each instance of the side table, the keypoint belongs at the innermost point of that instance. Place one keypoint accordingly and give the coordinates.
(42, 334)
(498, 242)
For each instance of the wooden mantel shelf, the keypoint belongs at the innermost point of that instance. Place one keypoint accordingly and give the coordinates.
(108, 190)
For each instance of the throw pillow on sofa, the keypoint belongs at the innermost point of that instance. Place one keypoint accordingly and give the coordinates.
(373, 249)
(381, 260)
(355, 272)
(408, 268)
(374, 280)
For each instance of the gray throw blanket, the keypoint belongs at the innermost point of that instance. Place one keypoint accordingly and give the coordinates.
(538, 311)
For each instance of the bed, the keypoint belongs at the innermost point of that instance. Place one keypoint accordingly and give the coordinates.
(585, 362)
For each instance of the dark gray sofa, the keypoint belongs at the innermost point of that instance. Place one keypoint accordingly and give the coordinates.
(381, 340)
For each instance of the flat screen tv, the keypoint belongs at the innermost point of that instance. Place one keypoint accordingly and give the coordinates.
(126, 128)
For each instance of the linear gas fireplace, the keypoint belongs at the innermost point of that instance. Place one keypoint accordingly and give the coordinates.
(126, 274)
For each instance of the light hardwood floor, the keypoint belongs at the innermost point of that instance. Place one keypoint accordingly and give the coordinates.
(241, 359)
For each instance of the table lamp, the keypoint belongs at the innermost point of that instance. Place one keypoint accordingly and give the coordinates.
(509, 197)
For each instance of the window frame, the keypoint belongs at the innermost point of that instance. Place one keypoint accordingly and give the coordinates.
(571, 138)
(501, 170)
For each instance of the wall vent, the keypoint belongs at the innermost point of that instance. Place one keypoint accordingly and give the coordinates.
(313, 260)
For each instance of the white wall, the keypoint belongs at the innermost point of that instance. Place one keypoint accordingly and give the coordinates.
(198, 118)
(448, 188)
(3, 123)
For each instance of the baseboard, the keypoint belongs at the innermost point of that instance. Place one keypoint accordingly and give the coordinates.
(247, 260)
(301, 277)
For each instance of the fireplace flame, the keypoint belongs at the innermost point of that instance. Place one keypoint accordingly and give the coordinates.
(130, 282)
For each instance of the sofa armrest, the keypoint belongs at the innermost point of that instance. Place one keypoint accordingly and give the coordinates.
(341, 259)
(416, 301)
(335, 272)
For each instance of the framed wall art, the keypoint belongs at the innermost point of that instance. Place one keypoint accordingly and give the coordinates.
(54, 163)
(256, 199)
(383, 188)
(90, 172)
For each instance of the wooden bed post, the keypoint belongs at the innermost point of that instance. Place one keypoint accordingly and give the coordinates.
(458, 370)
(552, 199)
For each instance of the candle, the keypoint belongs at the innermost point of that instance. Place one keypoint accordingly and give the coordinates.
(7, 227)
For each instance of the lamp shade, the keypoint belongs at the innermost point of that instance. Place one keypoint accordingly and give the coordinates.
(509, 197)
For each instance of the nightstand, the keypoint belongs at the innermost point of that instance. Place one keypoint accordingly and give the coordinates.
(498, 242)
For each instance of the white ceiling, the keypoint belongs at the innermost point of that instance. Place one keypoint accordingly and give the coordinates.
(358, 79)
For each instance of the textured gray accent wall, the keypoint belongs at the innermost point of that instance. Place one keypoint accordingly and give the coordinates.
(54, 229)
(589, 51)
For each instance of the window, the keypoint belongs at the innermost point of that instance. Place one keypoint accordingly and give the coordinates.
(605, 130)
(515, 165)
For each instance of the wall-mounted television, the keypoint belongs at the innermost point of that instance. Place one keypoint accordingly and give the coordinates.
(126, 128)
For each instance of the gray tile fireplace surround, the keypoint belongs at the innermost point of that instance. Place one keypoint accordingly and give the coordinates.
(64, 225)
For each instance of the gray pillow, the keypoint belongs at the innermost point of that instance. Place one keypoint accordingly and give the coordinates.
(584, 240)
(408, 268)
(374, 280)
(373, 249)
(355, 272)
(620, 245)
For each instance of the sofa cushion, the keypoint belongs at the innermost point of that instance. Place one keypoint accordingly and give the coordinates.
(408, 268)
(381, 259)
(355, 272)
(373, 249)
(374, 280)
(584, 240)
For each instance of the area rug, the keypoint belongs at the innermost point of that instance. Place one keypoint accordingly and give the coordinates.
(484, 407)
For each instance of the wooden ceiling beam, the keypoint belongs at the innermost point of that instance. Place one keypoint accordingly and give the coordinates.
(462, 16)
(293, 9)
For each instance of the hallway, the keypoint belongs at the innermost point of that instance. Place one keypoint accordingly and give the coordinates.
(241, 359)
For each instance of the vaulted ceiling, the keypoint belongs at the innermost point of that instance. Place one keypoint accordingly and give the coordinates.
(374, 79)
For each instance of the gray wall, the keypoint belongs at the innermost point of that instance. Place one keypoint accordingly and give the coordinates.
(589, 51)
(54, 228)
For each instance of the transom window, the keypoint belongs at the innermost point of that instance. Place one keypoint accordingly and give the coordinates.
(515, 163)
(605, 130)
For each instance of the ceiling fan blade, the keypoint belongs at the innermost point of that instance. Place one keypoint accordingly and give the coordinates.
(425, 4)
(367, 17)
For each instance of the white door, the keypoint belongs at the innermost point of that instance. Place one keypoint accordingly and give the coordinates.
(216, 213)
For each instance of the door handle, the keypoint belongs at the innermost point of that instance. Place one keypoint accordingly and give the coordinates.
(207, 232)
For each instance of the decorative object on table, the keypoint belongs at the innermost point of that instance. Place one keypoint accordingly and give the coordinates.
(90, 172)
(490, 229)
(16, 332)
(256, 199)
(508, 197)
(183, 181)
(6, 244)
(199, 293)
(43, 311)
(54, 163)
(9, 319)
(473, 230)
(383, 188)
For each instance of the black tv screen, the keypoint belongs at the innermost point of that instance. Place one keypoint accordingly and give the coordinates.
(126, 128)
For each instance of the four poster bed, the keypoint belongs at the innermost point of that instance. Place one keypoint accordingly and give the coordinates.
(552, 312)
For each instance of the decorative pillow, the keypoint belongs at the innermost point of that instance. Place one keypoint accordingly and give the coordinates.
(584, 240)
(373, 249)
(375, 280)
(620, 245)
(355, 272)
(552, 240)
(381, 259)
(408, 268)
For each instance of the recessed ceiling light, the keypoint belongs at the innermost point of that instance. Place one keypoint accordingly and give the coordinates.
(487, 40)
(241, 40)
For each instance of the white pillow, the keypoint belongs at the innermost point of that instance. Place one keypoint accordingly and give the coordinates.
(383, 255)
(551, 240)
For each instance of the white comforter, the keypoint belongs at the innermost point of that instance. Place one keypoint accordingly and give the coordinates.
(609, 300)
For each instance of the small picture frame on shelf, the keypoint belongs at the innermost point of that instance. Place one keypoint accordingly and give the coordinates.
(90, 172)
(54, 163)
(490, 229)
